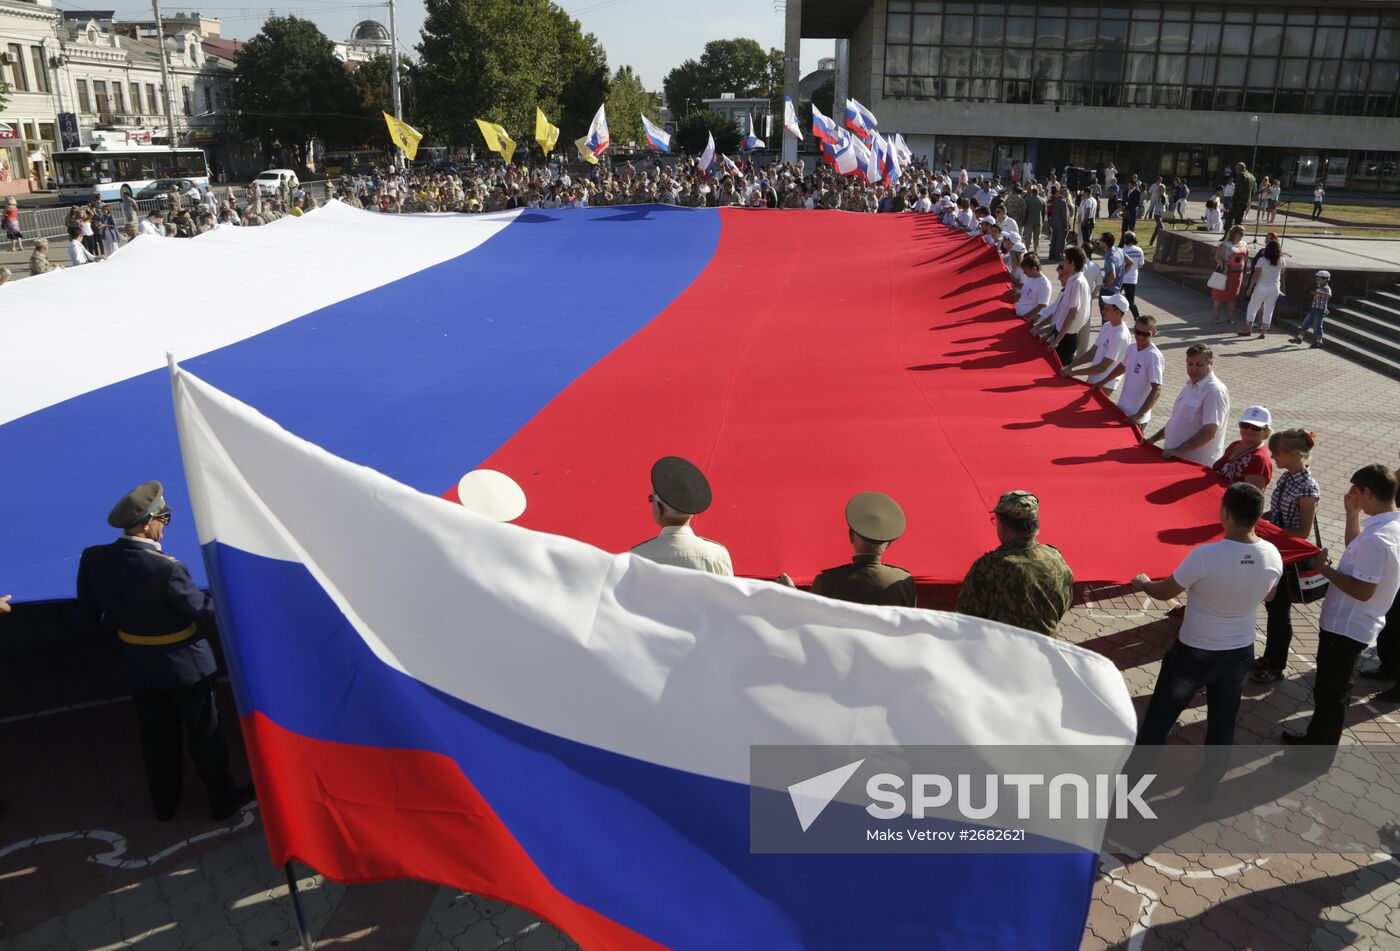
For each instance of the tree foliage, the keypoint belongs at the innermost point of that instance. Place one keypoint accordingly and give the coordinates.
(373, 82)
(739, 66)
(628, 100)
(824, 96)
(694, 129)
(498, 60)
(290, 87)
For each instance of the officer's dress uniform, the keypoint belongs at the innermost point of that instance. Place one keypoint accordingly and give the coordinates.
(867, 580)
(679, 545)
(153, 604)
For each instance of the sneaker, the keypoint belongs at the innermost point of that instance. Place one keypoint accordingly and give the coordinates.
(1295, 339)
(1315, 344)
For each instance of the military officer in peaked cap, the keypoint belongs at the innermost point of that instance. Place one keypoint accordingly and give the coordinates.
(1020, 582)
(150, 600)
(679, 492)
(874, 520)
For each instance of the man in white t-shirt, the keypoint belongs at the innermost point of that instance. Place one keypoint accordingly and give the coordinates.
(1141, 371)
(1034, 295)
(1196, 429)
(1072, 307)
(1360, 591)
(1100, 364)
(1227, 581)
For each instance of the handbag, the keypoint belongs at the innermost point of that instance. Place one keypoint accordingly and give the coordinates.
(1217, 280)
(1303, 579)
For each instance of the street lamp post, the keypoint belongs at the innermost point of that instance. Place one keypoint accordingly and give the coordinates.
(1254, 170)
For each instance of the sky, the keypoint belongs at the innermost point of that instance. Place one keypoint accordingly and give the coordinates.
(652, 36)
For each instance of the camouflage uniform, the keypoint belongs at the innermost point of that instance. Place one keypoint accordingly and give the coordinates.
(794, 199)
(1022, 582)
(39, 263)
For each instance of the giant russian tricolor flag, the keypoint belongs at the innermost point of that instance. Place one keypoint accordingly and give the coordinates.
(570, 349)
(426, 693)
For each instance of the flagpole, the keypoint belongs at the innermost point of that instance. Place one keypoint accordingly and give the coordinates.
(296, 906)
(394, 74)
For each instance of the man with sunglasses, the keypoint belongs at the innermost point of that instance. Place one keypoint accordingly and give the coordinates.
(1141, 370)
(149, 599)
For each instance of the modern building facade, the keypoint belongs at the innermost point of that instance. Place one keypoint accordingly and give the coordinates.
(1177, 89)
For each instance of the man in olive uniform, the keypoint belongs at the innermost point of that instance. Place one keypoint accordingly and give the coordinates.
(874, 521)
(680, 491)
(150, 600)
(1021, 582)
(1244, 194)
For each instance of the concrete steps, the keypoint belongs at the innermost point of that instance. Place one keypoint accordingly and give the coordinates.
(1365, 330)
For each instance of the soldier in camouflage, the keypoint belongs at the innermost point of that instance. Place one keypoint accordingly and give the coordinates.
(1021, 582)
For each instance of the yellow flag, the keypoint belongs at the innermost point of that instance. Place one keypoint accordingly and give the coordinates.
(404, 135)
(496, 138)
(545, 134)
(584, 151)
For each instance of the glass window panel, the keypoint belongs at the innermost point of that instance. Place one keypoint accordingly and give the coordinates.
(1115, 10)
(1200, 98)
(1294, 74)
(1366, 21)
(1144, 36)
(1113, 34)
(927, 28)
(1323, 75)
(991, 9)
(1235, 39)
(1296, 41)
(955, 88)
(925, 88)
(1175, 37)
(1231, 71)
(1262, 73)
(1021, 9)
(1017, 64)
(923, 61)
(1302, 17)
(1353, 75)
(1020, 31)
(902, 5)
(1050, 33)
(1261, 17)
(1267, 40)
(956, 62)
(1258, 101)
(957, 30)
(927, 6)
(1239, 16)
(1331, 19)
(1200, 71)
(989, 30)
(1359, 42)
(1229, 100)
(1320, 102)
(897, 28)
(1206, 15)
(983, 90)
(1167, 97)
(986, 63)
(1205, 38)
(896, 86)
(1139, 68)
(1082, 34)
(961, 7)
(1049, 64)
(1387, 44)
(896, 61)
(1290, 101)
(1171, 70)
(1079, 67)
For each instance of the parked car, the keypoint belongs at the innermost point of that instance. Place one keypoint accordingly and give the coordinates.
(160, 188)
(271, 180)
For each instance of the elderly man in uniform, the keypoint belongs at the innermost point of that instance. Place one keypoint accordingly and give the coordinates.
(149, 598)
(874, 521)
(679, 492)
(1020, 582)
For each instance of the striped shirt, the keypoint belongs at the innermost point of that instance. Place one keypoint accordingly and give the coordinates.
(1292, 486)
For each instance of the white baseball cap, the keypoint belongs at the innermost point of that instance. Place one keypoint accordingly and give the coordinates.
(1115, 300)
(1257, 416)
(1323, 274)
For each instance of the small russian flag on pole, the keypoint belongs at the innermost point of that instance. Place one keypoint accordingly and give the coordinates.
(658, 140)
(823, 128)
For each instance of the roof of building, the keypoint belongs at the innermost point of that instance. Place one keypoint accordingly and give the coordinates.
(369, 31)
(224, 49)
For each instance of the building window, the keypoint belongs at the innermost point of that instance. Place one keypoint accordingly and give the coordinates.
(118, 106)
(208, 98)
(18, 81)
(185, 95)
(99, 94)
(84, 103)
(41, 69)
(152, 109)
(136, 98)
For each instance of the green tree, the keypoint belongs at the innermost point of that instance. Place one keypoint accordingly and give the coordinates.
(498, 60)
(823, 98)
(694, 129)
(374, 88)
(739, 66)
(290, 87)
(628, 100)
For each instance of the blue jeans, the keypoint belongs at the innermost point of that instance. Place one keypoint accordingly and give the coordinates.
(1313, 321)
(1185, 670)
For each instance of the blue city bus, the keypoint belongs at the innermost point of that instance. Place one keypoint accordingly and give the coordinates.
(114, 173)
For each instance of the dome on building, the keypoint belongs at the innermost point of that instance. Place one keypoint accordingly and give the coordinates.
(369, 31)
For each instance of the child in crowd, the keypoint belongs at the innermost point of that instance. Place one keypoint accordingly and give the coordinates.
(1322, 299)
